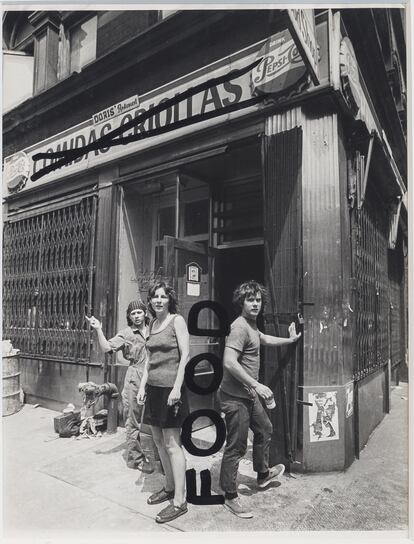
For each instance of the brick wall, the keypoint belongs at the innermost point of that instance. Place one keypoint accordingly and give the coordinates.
(116, 27)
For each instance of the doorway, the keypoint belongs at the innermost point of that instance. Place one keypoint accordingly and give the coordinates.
(205, 216)
(234, 266)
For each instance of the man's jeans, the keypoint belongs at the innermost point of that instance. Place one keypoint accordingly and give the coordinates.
(240, 414)
(132, 414)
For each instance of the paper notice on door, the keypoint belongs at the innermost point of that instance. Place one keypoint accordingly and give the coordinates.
(193, 289)
(349, 397)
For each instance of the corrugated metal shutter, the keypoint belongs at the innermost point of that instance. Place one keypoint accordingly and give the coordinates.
(282, 157)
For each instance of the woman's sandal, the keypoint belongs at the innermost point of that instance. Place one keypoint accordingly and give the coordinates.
(160, 496)
(171, 512)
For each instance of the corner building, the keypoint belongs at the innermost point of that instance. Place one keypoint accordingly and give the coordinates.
(294, 174)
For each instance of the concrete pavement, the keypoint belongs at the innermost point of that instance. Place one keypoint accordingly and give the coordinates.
(54, 486)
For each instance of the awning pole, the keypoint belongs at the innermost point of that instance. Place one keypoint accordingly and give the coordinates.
(366, 170)
(394, 222)
(177, 206)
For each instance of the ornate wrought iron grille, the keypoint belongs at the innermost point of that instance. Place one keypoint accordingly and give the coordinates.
(47, 281)
(371, 296)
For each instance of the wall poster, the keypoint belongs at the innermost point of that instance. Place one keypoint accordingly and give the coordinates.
(323, 416)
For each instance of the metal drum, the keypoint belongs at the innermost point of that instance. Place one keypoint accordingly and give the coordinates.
(11, 385)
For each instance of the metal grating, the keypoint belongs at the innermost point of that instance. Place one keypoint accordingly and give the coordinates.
(47, 281)
(282, 179)
(397, 305)
(371, 296)
(282, 216)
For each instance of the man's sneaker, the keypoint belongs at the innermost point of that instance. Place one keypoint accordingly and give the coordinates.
(274, 473)
(236, 507)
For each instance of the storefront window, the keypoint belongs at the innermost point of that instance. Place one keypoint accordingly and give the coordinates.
(196, 218)
(17, 66)
(165, 227)
(240, 216)
(159, 257)
(83, 44)
(166, 222)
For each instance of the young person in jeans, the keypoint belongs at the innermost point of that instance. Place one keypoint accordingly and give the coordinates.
(240, 394)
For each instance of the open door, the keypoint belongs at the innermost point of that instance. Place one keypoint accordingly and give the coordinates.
(283, 270)
(188, 266)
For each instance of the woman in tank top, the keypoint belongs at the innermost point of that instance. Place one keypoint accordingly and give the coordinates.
(162, 388)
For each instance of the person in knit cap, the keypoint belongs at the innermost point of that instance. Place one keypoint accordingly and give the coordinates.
(131, 341)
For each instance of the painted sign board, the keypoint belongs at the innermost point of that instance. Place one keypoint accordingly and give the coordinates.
(115, 110)
(281, 67)
(230, 92)
(365, 111)
(302, 26)
(350, 75)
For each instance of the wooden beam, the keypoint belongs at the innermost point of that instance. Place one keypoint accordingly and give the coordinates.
(188, 246)
(103, 306)
(177, 205)
(366, 171)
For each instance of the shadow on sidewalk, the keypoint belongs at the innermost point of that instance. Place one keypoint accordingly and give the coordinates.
(115, 449)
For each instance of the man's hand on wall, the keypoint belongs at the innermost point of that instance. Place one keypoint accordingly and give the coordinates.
(292, 332)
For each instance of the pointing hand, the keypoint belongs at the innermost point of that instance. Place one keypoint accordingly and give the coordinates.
(93, 322)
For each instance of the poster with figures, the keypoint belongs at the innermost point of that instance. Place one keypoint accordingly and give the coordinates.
(323, 416)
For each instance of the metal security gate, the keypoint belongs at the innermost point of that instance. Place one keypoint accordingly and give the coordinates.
(397, 303)
(48, 279)
(282, 178)
(371, 294)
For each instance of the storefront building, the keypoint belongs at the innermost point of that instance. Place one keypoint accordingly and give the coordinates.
(290, 171)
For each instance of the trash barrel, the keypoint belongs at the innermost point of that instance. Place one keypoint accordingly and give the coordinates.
(11, 385)
(112, 425)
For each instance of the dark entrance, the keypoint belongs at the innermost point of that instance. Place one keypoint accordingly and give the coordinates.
(234, 266)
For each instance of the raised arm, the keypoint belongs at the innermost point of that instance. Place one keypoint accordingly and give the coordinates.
(269, 340)
(102, 341)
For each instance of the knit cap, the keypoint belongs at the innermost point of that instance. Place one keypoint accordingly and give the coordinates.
(136, 305)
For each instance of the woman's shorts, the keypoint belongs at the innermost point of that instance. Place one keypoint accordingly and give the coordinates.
(157, 412)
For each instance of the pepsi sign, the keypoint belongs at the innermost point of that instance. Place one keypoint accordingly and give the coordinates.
(281, 68)
(16, 171)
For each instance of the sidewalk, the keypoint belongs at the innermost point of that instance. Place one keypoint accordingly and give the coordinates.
(52, 486)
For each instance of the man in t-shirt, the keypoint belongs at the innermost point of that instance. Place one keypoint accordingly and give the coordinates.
(239, 393)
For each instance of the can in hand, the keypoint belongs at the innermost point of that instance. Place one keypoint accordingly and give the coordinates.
(177, 407)
(270, 403)
(142, 402)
